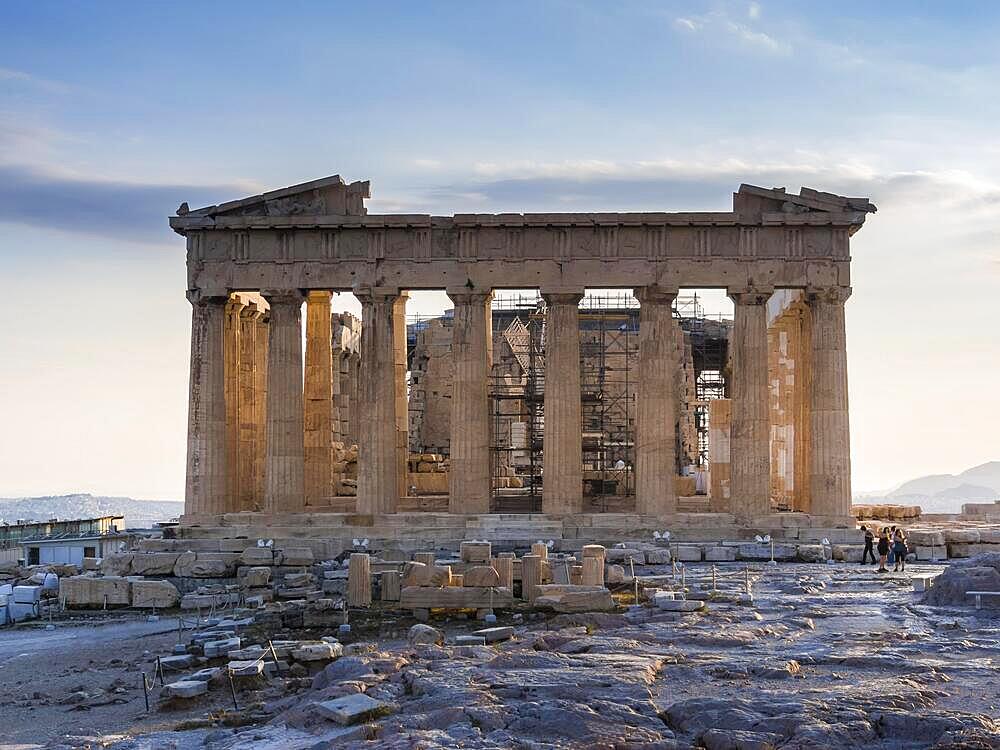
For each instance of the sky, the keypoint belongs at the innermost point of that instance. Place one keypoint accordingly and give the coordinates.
(113, 113)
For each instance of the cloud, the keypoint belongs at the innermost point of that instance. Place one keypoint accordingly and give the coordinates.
(9, 75)
(124, 210)
(720, 24)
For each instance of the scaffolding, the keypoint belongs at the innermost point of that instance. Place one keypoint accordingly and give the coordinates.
(609, 347)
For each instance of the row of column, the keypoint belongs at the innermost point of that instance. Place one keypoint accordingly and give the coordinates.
(301, 420)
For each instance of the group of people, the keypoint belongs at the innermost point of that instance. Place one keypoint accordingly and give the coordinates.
(891, 546)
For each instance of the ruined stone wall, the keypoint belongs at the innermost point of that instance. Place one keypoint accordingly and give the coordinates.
(430, 388)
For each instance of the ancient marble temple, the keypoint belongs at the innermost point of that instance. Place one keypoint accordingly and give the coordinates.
(254, 263)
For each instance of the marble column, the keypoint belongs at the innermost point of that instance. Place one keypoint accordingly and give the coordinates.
(205, 488)
(830, 460)
(354, 393)
(232, 368)
(562, 448)
(261, 341)
(284, 464)
(318, 415)
(378, 475)
(399, 389)
(471, 333)
(750, 437)
(659, 368)
(246, 480)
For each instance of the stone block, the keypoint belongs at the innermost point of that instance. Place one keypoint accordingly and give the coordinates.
(255, 577)
(207, 601)
(26, 594)
(931, 553)
(153, 563)
(470, 640)
(811, 553)
(295, 556)
(615, 574)
(719, 553)
(687, 552)
(665, 600)
(248, 668)
(221, 647)
(419, 574)
(495, 635)
(178, 662)
(482, 576)
(658, 556)
(182, 567)
(208, 674)
(593, 550)
(475, 552)
(317, 652)
(989, 536)
(755, 551)
(617, 555)
(208, 569)
(185, 689)
(578, 601)
(257, 556)
(961, 536)
(352, 709)
(156, 594)
(925, 538)
(82, 591)
(118, 564)
(91, 563)
(452, 597)
(19, 612)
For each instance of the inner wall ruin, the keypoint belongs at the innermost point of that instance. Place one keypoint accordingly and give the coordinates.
(636, 413)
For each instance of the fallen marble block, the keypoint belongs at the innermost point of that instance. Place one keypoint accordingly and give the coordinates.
(221, 647)
(755, 551)
(246, 668)
(317, 652)
(720, 554)
(352, 709)
(495, 635)
(186, 688)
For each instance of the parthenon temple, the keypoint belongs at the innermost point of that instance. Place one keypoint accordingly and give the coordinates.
(576, 382)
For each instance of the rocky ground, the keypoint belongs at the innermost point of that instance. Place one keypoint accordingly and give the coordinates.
(826, 656)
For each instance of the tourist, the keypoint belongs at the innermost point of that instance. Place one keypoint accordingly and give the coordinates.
(883, 550)
(892, 541)
(869, 545)
(899, 550)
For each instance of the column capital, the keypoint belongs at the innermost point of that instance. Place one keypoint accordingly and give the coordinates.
(464, 295)
(369, 293)
(198, 297)
(834, 295)
(750, 295)
(319, 295)
(283, 296)
(251, 310)
(655, 295)
(561, 295)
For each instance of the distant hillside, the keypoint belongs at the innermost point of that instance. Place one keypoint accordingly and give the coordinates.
(138, 513)
(945, 493)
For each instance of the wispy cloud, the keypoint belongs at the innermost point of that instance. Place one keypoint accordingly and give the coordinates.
(723, 25)
(11, 76)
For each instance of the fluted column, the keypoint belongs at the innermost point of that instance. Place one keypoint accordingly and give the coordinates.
(205, 488)
(659, 369)
(378, 475)
(471, 333)
(399, 389)
(318, 414)
(354, 385)
(231, 349)
(562, 448)
(284, 465)
(261, 342)
(750, 439)
(247, 409)
(830, 461)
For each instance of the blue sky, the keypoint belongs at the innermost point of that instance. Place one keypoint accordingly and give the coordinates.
(113, 113)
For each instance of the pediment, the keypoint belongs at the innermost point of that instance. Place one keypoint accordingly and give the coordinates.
(751, 199)
(329, 196)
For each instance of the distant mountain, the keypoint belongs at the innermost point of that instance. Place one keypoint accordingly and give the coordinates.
(985, 475)
(138, 513)
(944, 493)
